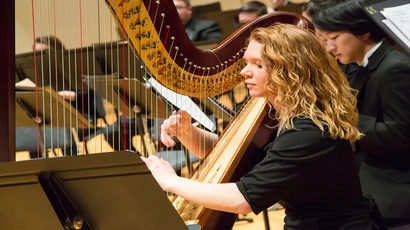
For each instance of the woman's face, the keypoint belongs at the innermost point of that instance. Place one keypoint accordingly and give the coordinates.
(255, 75)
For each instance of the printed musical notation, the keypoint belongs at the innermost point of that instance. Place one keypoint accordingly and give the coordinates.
(398, 21)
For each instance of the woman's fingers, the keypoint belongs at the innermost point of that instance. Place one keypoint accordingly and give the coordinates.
(166, 139)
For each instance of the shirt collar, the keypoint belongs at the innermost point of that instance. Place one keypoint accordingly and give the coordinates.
(370, 53)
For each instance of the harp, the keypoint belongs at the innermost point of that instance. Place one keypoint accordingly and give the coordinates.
(156, 37)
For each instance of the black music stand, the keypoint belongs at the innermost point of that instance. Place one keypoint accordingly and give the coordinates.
(49, 69)
(136, 96)
(373, 8)
(119, 58)
(134, 99)
(56, 116)
(101, 191)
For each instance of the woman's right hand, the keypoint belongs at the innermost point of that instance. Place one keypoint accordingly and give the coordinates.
(176, 125)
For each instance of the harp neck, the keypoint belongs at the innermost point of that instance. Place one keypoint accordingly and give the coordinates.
(157, 35)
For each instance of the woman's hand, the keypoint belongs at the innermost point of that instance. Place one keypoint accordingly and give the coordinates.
(176, 125)
(162, 171)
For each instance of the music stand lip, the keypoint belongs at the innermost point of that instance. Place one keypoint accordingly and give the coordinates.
(109, 190)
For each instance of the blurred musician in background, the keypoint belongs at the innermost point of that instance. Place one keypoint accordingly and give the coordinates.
(250, 11)
(310, 165)
(294, 6)
(383, 81)
(197, 29)
(48, 42)
(313, 6)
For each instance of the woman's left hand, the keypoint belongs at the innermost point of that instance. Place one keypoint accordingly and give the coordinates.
(162, 171)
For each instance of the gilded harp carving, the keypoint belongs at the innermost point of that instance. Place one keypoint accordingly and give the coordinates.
(159, 38)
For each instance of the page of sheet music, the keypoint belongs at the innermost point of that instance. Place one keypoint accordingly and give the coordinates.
(183, 102)
(398, 21)
(25, 83)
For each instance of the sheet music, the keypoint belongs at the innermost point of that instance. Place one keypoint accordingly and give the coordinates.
(398, 21)
(185, 103)
(25, 83)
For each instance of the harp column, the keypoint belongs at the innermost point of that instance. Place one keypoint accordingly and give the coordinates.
(7, 91)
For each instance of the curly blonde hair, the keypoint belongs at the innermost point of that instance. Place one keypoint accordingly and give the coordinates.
(306, 81)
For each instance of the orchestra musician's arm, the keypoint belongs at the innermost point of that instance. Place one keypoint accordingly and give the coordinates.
(197, 140)
(226, 197)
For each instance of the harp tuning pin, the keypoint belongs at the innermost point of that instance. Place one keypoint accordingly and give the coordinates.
(176, 47)
(172, 38)
(163, 15)
(190, 63)
(185, 59)
(208, 68)
(168, 26)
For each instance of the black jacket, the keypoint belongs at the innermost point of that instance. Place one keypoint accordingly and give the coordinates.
(203, 30)
(384, 118)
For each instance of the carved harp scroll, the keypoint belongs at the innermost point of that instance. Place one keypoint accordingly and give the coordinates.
(159, 38)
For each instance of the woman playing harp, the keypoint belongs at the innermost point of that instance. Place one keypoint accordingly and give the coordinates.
(310, 165)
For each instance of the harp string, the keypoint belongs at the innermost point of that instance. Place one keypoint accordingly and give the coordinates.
(78, 12)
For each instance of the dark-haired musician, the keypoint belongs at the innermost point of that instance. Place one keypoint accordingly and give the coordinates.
(383, 104)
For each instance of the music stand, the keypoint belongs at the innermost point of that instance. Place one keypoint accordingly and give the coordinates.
(119, 58)
(373, 9)
(100, 191)
(137, 98)
(53, 112)
(49, 69)
(53, 109)
(79, 62)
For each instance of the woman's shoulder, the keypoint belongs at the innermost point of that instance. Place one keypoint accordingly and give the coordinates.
(303, 125)
(305, 141)
(304, 132)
